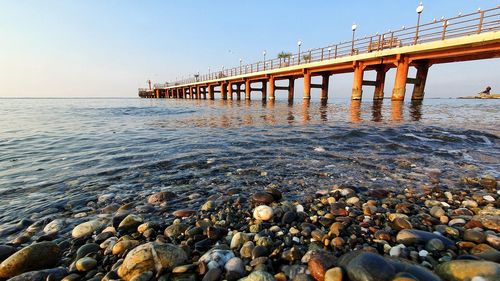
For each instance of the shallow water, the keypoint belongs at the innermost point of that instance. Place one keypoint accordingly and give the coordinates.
(57, 156)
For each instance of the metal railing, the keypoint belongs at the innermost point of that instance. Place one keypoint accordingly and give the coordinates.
(462, 25)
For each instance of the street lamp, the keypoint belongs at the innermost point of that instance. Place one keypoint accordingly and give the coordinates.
(241, 60)
(264, 54)
(353, 27)
(419, 10)
(329, 51)
(299, 44)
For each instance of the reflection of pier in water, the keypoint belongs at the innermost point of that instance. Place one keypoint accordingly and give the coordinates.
(227, 113)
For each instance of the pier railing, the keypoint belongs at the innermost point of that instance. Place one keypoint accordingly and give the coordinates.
(445, 28)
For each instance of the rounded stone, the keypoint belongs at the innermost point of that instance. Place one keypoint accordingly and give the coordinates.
(87, 249)
(263, 213)
(85, 264)
(161, 197)
(6, 251)
(259, 275)
(130, 223)
(36, 256)
(235, 266)
(262, 198)
(176, 230)
(370, 266)
(124, 245)
(458, 270)
(87, 228)
(184, 213)
(401, 223)
(334, 274)
(319, 262)
(437, 212)
(149, 257)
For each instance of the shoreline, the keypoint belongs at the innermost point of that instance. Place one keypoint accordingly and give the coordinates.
(342, 232)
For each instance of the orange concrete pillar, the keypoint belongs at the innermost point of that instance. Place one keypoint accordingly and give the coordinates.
(397, 110)
(211, 92)
(324, 87)
(264, 90)
(398, 93)
(230, 90)
(198, 92)
(223, 91)
(291, 88)
(238, 91)
(418, 89)
(272, 88)
(380, 83)
(357, 84)
(247, 90)
(157, 93)
(307, 85)
(354, 111)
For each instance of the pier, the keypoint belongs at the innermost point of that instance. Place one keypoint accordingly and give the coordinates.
(468, 37)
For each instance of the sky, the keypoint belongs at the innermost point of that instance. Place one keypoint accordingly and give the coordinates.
(109, 48)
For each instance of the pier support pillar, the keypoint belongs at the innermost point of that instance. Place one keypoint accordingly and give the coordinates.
(264, 90)
(418, 89)
(307, 85)
(380, 83)
(247, 89)
(324, 87)
(204, 92)
(223, 91)
(157, 93)
(238, 91)
(211, 92)
(398, 93)
(291, 88)
(198, 92)
(230, 90)
(357, 83)
(272, 89)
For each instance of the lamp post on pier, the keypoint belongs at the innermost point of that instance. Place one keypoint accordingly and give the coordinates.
(264, 54)
(241, 60)
(419, 10)
(353, 27)
(299, 44)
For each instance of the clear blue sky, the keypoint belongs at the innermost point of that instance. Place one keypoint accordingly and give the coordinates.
(109, 48)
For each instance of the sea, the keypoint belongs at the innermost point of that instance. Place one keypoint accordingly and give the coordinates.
(58, 157)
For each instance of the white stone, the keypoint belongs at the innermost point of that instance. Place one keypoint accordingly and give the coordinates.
(263, 213)
(456, 221)
(489, 198)
(299, 208)
(87, 228)
(54, 226)
(423, 253)
(396, 250)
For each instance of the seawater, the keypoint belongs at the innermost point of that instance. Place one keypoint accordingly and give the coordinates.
(58, 157)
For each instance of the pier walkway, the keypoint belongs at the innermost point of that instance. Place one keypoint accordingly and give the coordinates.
(466, 37)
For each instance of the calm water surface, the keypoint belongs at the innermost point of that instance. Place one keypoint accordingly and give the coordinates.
(57, 156)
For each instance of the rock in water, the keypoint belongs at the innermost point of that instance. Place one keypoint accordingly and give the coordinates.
(152, 256)
(130, 223)
(87, 228)
(414, 236)
(42, 275)
(263, 213)
(458, 270)
(6, 251)
(369, 266)
(37, 256)
(161, 197)
(319, 263)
